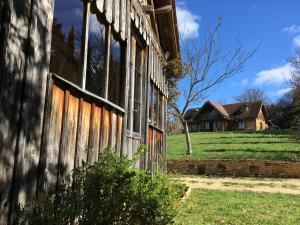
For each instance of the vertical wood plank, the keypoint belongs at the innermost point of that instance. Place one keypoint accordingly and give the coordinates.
(100, 5)
(68, 141)
(119, 133)
(94, 136)
(117, 15)
(83, 133)
(113, 131)
(109, 10)
(63, 139)
(123, 19)
(54, 136)
(105, 131)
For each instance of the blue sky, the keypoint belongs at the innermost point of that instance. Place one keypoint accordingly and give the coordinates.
(274, 24)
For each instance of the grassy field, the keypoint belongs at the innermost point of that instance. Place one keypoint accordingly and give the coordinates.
(207, 207)
(230, 145)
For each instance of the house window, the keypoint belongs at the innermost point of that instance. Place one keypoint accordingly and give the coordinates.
(137, 90)
(95, 74)
(115, 87)
(99, 69)
(155, 106)
(66, 54)
(218, 124)
(207, 126)
(242, 125)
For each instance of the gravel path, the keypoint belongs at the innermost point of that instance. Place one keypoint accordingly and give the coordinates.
(285, 186)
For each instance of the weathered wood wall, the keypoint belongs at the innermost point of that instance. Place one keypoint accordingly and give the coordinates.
(24, 58)
(155, 155)
(79, 127)
(49, 126)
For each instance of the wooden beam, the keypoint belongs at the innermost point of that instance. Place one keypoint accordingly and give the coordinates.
(163, 10)
(148, 8)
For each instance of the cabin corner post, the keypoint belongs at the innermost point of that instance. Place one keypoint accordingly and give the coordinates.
(29, 136)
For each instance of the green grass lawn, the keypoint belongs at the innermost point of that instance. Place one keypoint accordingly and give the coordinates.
(232, 145)
(211, 207)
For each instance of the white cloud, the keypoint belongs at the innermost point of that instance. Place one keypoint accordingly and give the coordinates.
(292, 29)
(188, 22)
(277, 75)
(296, 41)
(282, 92)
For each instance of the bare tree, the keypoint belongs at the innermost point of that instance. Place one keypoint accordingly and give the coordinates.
(204, 67)
(253, 95)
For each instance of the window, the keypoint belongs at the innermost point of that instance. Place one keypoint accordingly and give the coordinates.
(207, 125)
(137, 89)
(115, 87)
(92, 70)
(242, 125)
(156, 106)
(218, 124)
(95, 74)
(66, 55)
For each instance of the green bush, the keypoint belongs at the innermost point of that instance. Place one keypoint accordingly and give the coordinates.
(109, 192)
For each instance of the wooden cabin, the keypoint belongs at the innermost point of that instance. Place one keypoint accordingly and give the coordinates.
(77, 77)
(246, 116)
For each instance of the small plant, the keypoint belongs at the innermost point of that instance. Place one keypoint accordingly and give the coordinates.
(110, 192)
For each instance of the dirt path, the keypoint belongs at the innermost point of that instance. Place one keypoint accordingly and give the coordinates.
(285, 186)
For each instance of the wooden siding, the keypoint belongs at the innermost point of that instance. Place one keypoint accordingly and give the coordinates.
(49, 126)
(155, 149)
(80, 127)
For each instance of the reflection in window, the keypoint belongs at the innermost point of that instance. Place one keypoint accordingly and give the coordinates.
(66, 40)
(137, 90)
(115, 75)
(155, 107)
(95, 74)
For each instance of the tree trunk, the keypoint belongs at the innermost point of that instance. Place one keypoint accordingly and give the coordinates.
(188, 139)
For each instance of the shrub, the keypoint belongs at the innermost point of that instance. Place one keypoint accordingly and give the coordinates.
(109, 192)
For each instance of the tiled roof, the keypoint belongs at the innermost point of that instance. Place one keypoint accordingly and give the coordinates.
(232, 111)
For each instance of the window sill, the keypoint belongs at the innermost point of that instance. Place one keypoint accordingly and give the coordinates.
(156, 128)
(86, 94)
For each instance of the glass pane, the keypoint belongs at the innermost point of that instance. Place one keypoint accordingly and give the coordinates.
(160, 112)
(137, 102)
(136, 114)
(137, 90)
(95, 74)
(114, 83)
(66, 40)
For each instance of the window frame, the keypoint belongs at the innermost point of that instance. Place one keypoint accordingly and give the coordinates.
(110, 32)
(138, 72)
(131, 117)
(242, 125)
(207, 126)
